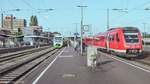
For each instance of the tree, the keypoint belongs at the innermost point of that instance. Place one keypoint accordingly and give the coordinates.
(33, 21)
(19, 36)
(56, 33)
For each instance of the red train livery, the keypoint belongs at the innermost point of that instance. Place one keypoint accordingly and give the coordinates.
(123, 41)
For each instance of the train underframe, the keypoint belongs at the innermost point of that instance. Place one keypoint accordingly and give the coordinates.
(128, 53)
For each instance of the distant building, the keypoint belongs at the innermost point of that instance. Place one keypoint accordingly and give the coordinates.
(8, 23)
(34, 35)
(19, 23)
(33, 30)
(47, 34)
(37, 28)
(12, 24)
(6, 39)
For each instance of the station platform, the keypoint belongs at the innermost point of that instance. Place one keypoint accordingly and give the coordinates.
(69, 67)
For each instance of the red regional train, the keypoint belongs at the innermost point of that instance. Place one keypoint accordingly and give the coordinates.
(122, 41)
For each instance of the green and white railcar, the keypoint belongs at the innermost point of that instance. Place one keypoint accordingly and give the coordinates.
(58, 41)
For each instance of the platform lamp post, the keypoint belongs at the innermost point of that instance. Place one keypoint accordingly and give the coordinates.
(2, 15)
(147, 9)
(81, 32)
(144, 24)
(144, 34)
(107, 18)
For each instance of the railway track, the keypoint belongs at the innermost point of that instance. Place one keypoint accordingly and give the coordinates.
(4, 57)
(14, 67)
(7, 59)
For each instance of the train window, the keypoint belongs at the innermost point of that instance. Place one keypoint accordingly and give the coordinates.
(117, 37)
(131, 37)
(58, 39)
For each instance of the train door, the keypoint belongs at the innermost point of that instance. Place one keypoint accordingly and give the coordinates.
(111, 41)
(117, 41)
(107, 42)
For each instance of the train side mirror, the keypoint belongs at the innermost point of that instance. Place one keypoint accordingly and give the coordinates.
(118, 40)
(97, 39)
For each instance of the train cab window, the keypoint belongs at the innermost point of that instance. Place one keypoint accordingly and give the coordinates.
(131, 37)
(117, 37)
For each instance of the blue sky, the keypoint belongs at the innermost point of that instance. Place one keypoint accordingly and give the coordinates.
(66, 13)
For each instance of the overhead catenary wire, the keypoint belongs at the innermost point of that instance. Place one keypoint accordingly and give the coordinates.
(28, 4)
(12, 3)
(146, 3)
(137, 8)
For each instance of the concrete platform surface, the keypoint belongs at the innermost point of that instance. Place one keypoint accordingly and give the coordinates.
(70, 68)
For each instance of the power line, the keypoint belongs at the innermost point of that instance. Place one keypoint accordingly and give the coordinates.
(12, 3)
(135, 8)
(28, 4)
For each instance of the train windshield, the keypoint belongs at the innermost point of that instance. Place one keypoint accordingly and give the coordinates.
(58, 39)
(131, 37)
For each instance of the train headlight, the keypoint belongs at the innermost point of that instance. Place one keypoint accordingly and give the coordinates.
(127, 46)
(138, 46)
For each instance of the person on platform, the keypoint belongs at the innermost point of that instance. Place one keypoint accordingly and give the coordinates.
(75, 45)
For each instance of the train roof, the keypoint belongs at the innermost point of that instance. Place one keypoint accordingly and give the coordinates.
(124, 28)
(114, 29)
(34, 36)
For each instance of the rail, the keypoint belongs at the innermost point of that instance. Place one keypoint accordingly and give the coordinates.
(9, 56)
